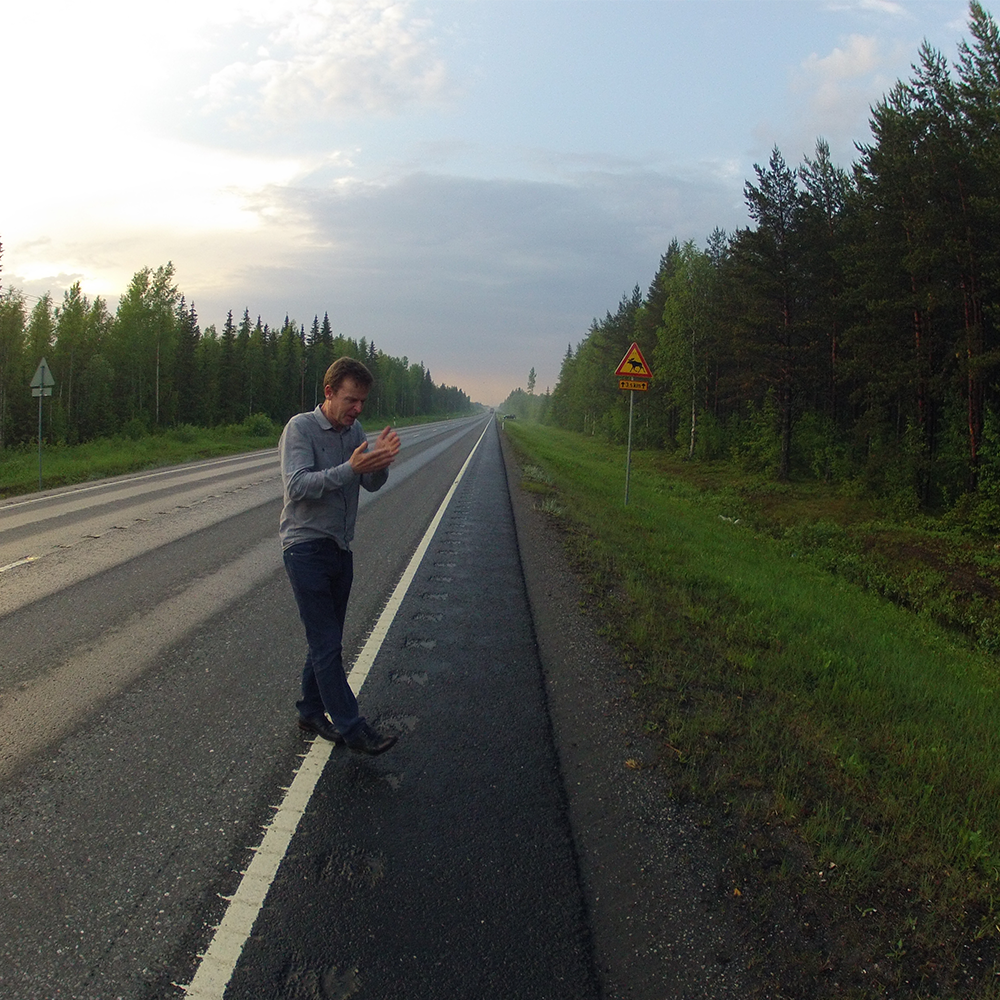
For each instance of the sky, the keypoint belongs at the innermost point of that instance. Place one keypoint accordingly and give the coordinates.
(467, 184)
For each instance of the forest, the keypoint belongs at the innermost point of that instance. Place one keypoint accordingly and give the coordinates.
(149, 366)
(852, 332)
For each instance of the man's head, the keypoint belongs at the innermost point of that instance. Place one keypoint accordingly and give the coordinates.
(346, 386)
(344, 368)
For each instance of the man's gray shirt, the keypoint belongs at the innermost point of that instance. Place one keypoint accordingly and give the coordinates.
(321, 488)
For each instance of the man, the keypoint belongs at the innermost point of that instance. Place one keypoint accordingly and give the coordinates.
(325, 459)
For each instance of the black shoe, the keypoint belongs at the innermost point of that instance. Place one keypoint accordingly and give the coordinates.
(366, 740)
(321, 726)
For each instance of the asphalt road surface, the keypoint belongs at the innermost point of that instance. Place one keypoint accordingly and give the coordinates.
(150, 651)
(149, 658)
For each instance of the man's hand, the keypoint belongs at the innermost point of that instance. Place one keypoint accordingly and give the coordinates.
(380, 457)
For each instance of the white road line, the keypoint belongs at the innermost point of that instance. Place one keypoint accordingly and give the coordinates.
(208, 463)
(251, 458)
(359, 673)
(88, 677)
(18, 562)
(223, 952)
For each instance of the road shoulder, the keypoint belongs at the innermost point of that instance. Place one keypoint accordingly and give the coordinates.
(667, 915)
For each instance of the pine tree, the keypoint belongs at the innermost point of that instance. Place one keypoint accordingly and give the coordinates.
(12, 356)
(190, 393)
(770, 276)
(229, 373)
(823, 205)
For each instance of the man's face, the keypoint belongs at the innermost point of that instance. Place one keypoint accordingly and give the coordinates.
(344, 406)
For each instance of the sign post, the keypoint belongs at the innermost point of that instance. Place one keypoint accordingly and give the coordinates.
(41, 385)
(633, 374)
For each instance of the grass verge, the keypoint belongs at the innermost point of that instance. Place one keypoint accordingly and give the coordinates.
(850, 739)
(64, 465)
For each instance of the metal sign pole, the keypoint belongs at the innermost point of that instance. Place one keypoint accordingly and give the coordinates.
(633, 373)
(41, 386)
(628, 454)
(40, 397)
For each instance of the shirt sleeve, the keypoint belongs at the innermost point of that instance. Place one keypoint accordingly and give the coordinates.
(301, 479)
(373, 481)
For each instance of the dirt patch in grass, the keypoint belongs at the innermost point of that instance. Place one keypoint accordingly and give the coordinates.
(954, 560)
(928, 567)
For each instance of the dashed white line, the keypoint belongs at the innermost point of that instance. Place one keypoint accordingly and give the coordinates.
(206, 464)
(18, 562)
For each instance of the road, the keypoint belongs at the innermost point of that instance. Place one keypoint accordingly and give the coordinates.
(167, 832)
(150, 649)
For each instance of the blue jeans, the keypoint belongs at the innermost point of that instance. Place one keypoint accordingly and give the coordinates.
(321, 574)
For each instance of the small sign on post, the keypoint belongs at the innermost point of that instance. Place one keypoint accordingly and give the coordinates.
(633, 374)
(41, 386)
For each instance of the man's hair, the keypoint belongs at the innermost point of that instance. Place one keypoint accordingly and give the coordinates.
(347, 368)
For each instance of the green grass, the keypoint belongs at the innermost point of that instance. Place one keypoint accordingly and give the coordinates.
(63, 465)
(792, 695)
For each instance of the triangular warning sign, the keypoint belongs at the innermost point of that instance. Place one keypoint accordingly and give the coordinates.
(42, 379)
(634, 364)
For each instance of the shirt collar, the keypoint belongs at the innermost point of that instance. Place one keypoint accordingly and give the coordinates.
(325, 424)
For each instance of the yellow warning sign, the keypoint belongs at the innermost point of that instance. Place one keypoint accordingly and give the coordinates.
(634, 364)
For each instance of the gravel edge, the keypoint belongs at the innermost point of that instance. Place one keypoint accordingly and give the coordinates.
(667, 916)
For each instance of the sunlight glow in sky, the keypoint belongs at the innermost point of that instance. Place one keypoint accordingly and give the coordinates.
(467, 183)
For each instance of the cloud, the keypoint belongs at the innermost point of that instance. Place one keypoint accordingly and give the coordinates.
(884, 7)
(836, 92)
(338, 57)
(890, 7)
(474, 277)
(495, 235)
(859, 58)
(477, 277)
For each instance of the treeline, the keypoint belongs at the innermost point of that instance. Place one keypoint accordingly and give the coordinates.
(150, 366)
(852, 331)
(525, 404)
